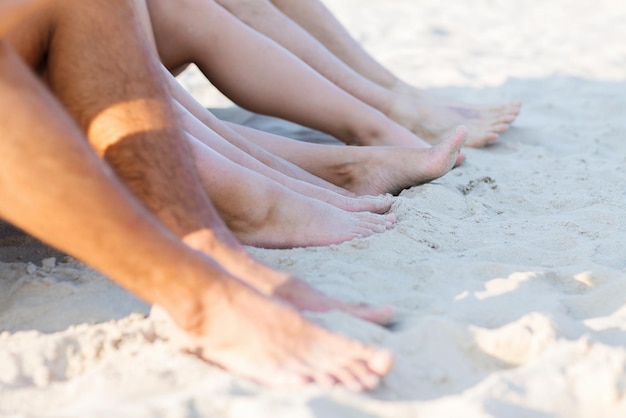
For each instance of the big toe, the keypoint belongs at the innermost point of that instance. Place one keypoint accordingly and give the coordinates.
(380, 362)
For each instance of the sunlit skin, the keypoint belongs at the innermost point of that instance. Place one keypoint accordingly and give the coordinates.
(103, 210)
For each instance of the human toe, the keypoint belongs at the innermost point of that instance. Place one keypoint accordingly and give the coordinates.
(345, 376)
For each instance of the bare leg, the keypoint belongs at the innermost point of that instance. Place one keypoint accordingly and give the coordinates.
(249, 68)
(211, 142)
(296, 179)
(328, 163)
(198, 112)
(431, 120)
(132, 123)
(366, 170)
(317, 20)
(265, 214)
(13, 12)
(96, 220)
(400, 168)
(205, 138)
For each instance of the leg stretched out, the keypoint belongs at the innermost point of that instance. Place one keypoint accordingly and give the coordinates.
(431, 120)
(428, 116)
(98, 220)
(225, 139)
(366, 170)
(260, 75)
(419, 167)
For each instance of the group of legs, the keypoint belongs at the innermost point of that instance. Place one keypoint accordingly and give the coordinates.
(289, 50)
(263, 76)
(302, 81)
(148, 223)
(129, 163)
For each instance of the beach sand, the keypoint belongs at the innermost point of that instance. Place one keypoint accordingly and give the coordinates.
(508, 274)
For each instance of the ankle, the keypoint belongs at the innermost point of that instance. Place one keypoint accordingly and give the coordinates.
(210, 241)
(343, 173)
(190, 293)
(371, 130)
(403, 88)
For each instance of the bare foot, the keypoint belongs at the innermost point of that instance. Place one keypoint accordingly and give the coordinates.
(263, 340)
(374, 204)
(394, 134)
(308, 222)
(305, 298)
(269, 215)
(433, 118)
(207, 160)
(281, 285)
(375, 170)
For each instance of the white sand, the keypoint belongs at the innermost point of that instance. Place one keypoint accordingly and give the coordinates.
(509, 273)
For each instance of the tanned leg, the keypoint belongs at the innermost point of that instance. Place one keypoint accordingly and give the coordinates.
(101, 66)
(432, 121)
(13, 12)
(401, 168)
(54, 187)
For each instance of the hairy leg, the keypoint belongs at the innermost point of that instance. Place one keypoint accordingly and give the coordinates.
(132, 122)
(97, 220)
(53, 171)
(249, 68)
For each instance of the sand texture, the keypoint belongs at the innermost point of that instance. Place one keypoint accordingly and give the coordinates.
(508, 274)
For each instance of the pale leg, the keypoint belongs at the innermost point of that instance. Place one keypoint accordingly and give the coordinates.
(260, 75)
(366, 170)
(206, 142)
(311, 32)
